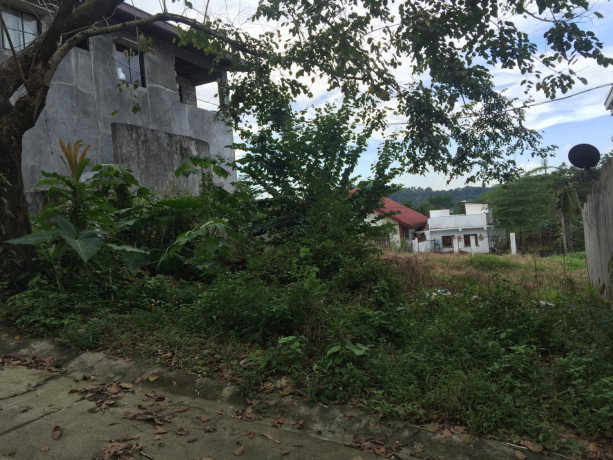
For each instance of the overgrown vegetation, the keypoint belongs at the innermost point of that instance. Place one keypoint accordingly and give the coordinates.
(279, 281)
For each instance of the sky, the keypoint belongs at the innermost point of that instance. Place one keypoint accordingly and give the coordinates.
(580, 118)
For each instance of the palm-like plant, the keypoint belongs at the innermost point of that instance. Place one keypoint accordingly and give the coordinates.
(75, 163)
(567, 206)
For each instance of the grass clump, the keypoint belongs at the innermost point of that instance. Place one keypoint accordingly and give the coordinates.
(490, 262)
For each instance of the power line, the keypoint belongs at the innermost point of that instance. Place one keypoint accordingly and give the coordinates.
(535, 104)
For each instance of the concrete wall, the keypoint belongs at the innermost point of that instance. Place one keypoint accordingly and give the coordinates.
(439, 212)
(155, 155)
(598, 229)
(458, 221)
(482, 247)
(84, 101)
(476, 208)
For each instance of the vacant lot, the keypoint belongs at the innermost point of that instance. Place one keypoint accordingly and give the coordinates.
(531, 275)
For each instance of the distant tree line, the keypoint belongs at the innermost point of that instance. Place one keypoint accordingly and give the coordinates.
(541, 201)
(424, 200)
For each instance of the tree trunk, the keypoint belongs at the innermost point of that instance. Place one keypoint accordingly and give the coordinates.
(14, 214)
(564, 235)
(569, 236)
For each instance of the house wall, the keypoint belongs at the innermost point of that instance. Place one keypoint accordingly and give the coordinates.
(394, 237)
(458, 221)
(476, 208)
(482, 247)
(84, 101)
(598, 230)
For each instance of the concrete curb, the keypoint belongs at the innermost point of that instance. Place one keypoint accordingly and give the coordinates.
(336, 424)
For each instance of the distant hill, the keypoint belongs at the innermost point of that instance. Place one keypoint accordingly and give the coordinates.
(418, 195)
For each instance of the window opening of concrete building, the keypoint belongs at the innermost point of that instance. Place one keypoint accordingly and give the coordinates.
(130, 65)
(22, 28)
(448, 241)
(467, 239)
(187, 91)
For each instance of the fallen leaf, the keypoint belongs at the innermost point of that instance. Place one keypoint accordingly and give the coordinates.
(520, 455)
(138, 379)
(591, 447)
(157, 437)
(239, 451)
(126, 386)
(162, 444)
(17, 337)
(45, 449)
(248, 434)
(278, 422)
(182, 409)
(284, 452)
(160, 430)
(447, 433)
(57, 432)
(153, 377)
(417, 448)
(128, 438)
(74, 390)
(532, 446)
(432, 427)
(276, 441)
(182, 432)
(205, 419)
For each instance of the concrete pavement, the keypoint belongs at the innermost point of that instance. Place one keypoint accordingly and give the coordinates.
(57, 403)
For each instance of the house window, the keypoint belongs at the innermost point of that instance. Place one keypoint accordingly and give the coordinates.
(467, 240)
(187, 91)
(448, 241)
(129, 65)
(22, 28)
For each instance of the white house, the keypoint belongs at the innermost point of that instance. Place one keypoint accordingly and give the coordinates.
(469, 232)
(405, 221)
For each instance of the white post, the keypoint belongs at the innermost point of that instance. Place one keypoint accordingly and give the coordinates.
(456, 247)
(513, 243)
(473, 244)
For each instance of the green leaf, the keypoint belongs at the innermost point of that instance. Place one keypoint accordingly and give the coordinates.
(333, 349)
(34, 238)
(86, 244)
(127, 248)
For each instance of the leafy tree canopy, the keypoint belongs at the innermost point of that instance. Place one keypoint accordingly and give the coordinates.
(428, 63)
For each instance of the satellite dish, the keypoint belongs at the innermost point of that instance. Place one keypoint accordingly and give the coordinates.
(584, 156)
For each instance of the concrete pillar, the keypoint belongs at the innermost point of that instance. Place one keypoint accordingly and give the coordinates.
(473, 244)
(513, 243)
(456, 247)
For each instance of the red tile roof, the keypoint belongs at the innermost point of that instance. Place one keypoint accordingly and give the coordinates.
(405, 216)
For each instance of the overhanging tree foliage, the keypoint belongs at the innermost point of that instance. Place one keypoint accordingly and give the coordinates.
(428, 62)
